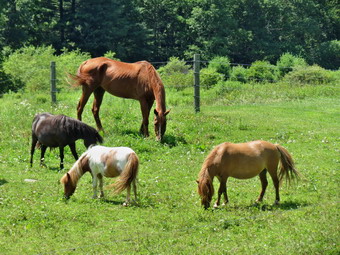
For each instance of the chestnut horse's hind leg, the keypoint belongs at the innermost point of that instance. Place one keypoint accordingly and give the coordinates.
(264, 183)
(83, 100)
(98, 99)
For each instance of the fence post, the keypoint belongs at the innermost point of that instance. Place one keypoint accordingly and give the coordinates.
(197, 82)
(53, 83)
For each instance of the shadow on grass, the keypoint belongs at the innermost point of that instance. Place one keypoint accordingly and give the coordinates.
(133, 133)
(287, 205)
(173, 141)
(3, 181)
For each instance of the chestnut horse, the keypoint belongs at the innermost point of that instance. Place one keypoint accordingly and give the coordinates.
(138, 81)
(244, 161)
(102, 161)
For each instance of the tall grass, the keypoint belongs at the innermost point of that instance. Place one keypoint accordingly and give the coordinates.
(168, 218)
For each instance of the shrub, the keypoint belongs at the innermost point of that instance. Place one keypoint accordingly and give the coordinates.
(176, 74)
(239, 73)
(287, 62)
(31, 66)
(221, 65)
(262, 71)
(312, 75)
(209, 77)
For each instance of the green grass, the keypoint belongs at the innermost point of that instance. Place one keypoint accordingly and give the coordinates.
(168, 218)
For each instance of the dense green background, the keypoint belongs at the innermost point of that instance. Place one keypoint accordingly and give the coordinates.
(155, 30)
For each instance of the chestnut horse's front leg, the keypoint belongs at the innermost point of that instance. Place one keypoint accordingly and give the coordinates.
(145, 106)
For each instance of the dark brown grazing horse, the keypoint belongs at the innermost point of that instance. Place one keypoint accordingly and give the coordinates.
(138, 81)
(59, 131)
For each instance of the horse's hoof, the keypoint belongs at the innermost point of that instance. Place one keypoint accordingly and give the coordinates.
(215, 206)
(125, 204)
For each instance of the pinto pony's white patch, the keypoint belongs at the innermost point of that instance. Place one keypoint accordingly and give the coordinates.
(105, 161)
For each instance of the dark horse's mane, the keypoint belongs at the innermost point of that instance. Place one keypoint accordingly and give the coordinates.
(75, 128)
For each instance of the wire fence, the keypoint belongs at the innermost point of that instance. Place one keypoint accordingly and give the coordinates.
(196, 75)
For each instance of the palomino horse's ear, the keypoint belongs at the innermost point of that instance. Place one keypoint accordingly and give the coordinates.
(166, 113)
(197, 182)
(68, 177)
(155, 112)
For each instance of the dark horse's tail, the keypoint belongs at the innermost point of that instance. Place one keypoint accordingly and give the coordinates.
(128, 175)
(287, 166)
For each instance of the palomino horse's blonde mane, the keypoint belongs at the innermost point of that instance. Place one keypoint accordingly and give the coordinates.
(205, 181)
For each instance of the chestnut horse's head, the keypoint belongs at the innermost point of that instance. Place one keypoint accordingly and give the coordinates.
(69, 186)
(160, 124)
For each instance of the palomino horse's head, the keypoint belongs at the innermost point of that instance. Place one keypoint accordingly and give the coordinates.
(160, 124)
(69, 187)
(206, 192)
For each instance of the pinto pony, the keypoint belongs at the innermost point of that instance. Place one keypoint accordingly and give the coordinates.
(102, 161)
(138, 81)
(59, 131)
(244, 161)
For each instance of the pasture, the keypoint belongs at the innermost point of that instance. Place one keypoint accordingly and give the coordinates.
(168, 218)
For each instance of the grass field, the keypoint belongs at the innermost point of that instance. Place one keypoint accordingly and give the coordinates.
(34, 219)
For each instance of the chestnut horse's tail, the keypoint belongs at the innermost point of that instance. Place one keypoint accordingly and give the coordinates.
(287, 166)
(86, 78)
(205, 186)
(128, 175)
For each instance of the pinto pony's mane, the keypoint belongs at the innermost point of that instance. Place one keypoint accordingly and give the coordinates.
(73, 175)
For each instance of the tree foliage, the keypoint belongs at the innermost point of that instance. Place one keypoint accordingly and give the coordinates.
(243, 30)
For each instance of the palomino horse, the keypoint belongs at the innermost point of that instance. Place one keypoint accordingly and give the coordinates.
(103, 161)
(244, 161)
(59, 131)
(138, 81)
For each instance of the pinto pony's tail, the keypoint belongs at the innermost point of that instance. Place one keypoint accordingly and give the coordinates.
(287, 166)
(128, 175)
(205, 186)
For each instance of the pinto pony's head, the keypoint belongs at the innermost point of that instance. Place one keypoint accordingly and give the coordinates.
(160, 124)
(69, 185)
(205, 187)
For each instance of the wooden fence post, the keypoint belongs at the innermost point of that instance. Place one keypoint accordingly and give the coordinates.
(53, 83)
(197, 82)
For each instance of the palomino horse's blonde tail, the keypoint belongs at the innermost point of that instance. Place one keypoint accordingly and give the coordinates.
(287, 166)
(129, 174)
(205, 186)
